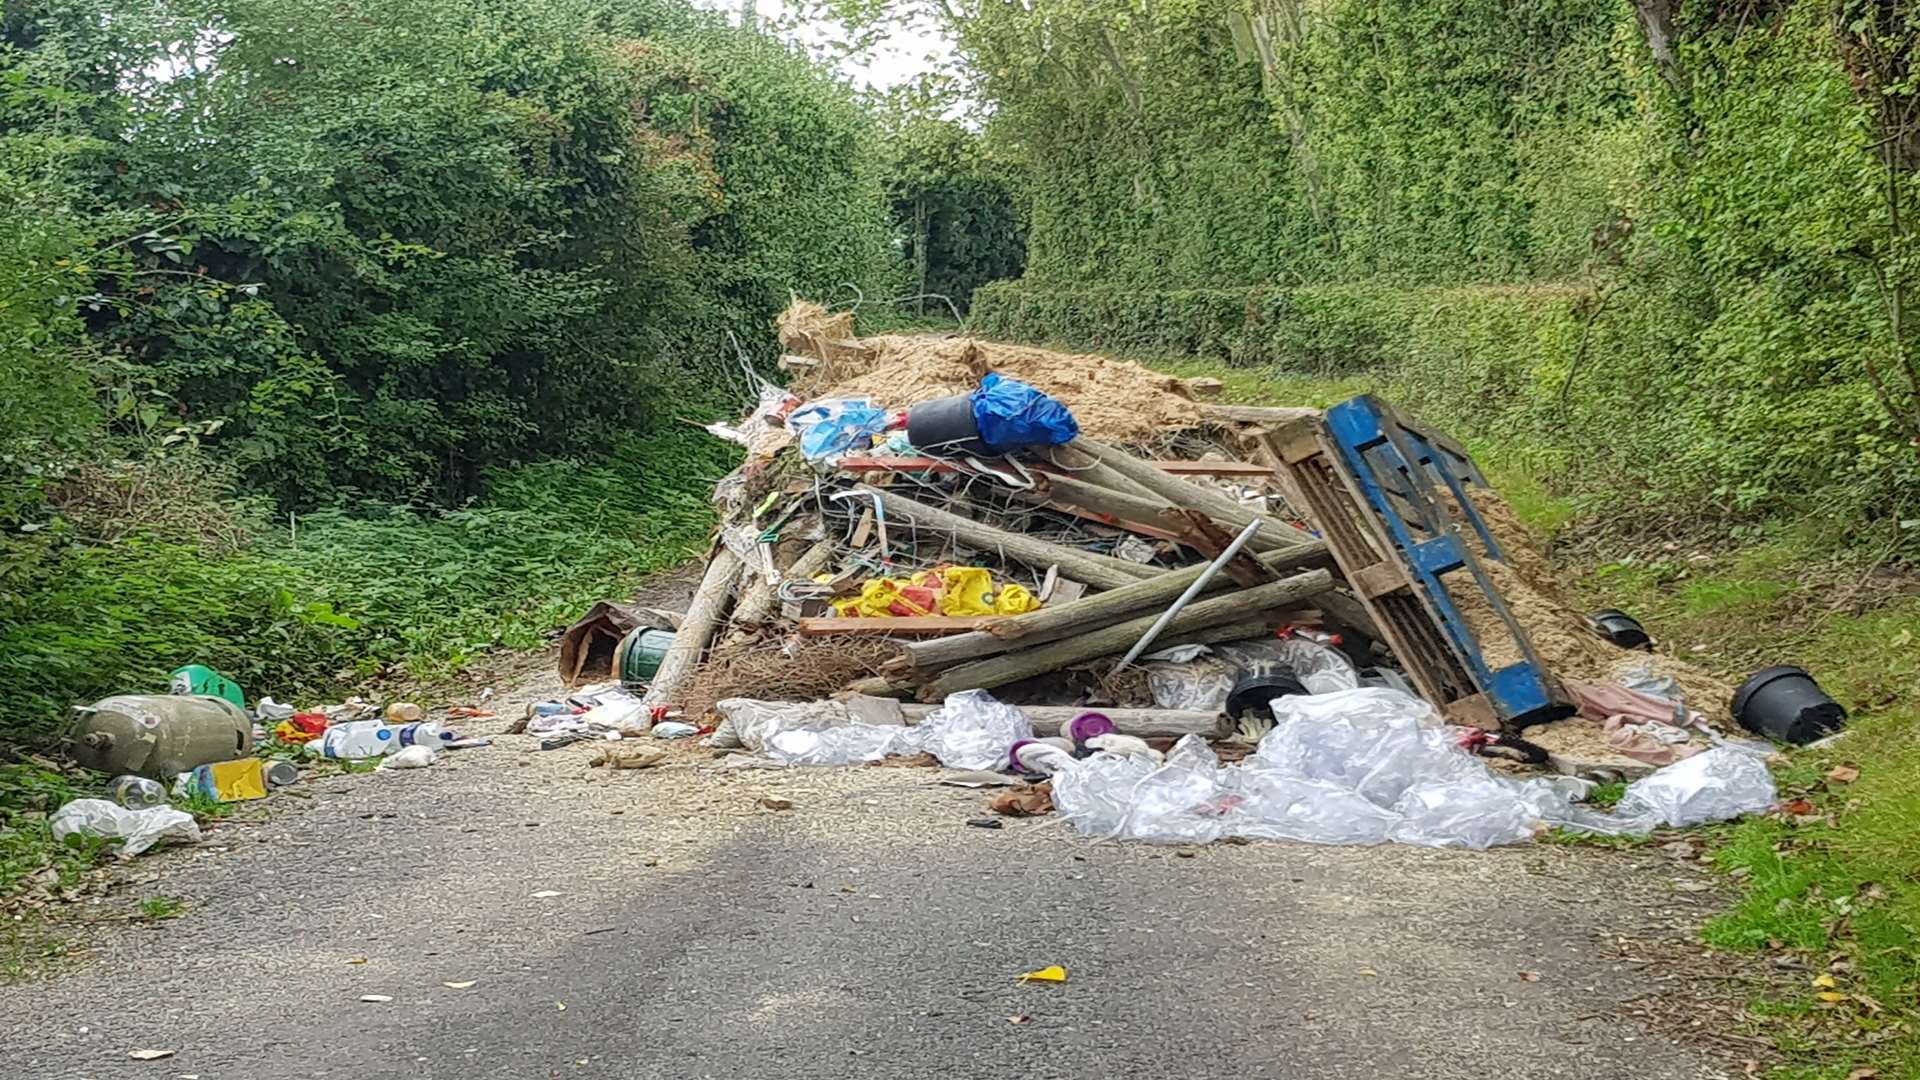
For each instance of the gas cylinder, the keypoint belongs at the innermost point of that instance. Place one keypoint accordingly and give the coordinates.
(158, 735)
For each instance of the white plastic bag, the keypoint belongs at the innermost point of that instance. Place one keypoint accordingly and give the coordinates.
(744, 722)
(1715, 785)
(140, 829)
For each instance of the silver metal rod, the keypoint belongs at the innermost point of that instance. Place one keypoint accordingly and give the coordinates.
(1193, 590)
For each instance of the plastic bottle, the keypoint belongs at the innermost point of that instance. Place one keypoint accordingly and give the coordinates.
(356, 741)
(425, 733)
(137, 792)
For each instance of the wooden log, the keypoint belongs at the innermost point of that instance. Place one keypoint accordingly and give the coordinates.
(1256, 414)
(1058, 620)
(902, 625)
(1140, 723)
(1125, 510)
(1193, 496)
(1099, 571)
(1232, 607)
(1077, 463)
(697, 628)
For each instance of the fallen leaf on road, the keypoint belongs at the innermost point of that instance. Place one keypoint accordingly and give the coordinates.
(1865, 1072)
(376, 999)
(1825, 980)
(561, 1005)
(1023, 1018)
(149, 1055)
(1369, 972)
(1529, 976)
(1055, 973)
(1796, 807)
(358, 960)
(544, 893)
(1844, 774)
(459, 985)
(772, 803)
(1831, 997)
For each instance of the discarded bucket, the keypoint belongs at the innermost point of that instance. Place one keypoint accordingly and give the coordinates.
(637, 658)
(1255, 693)
(1784, 703)
(945, 426)
(1620, 628)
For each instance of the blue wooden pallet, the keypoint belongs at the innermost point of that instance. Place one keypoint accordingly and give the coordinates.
(1379, 486)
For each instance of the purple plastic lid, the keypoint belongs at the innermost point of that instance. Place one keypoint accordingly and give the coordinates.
(1088, 725)
(1013, 754)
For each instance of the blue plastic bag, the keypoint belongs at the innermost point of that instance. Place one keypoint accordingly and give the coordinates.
(835, 426)
(1010, 414)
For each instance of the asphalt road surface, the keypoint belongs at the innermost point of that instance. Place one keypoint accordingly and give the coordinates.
(662, 923)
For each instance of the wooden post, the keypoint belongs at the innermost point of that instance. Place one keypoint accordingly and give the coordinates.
(1234, 607)
(696, 628)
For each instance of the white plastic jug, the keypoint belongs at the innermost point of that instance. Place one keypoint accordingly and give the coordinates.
(356, 741)
(425, 733)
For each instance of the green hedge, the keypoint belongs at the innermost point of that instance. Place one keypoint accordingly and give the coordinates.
(1665, 416)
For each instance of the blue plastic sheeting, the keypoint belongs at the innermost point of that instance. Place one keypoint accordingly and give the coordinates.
(836, 426)
(1011, 414)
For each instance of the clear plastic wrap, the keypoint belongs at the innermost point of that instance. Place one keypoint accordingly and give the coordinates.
(744, 721)
(1718, 784)
(139, 829)
(798, 743)
(1369, 765)
(970, 730)
(1203, 685)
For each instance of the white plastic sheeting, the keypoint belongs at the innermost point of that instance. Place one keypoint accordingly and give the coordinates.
(1371, 765)
(1203, 684)
(970, 730)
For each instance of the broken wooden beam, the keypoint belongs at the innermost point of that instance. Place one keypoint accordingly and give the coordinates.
(1233, 607)
(905, 625)
(1099, 571)
(1058, 620)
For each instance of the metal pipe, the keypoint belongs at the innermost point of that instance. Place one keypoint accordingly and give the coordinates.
(1193, 590)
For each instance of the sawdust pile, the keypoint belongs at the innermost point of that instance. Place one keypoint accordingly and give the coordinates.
(1112, 399)
(1569, 648)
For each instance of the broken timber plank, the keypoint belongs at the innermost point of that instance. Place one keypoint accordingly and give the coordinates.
(887, 624)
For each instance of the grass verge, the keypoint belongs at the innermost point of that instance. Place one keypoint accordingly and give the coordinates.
(1833, 892)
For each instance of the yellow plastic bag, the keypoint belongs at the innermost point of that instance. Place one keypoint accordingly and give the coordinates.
(884, 597)
(970, 591)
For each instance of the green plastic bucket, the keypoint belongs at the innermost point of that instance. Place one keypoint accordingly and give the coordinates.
(639, 655)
